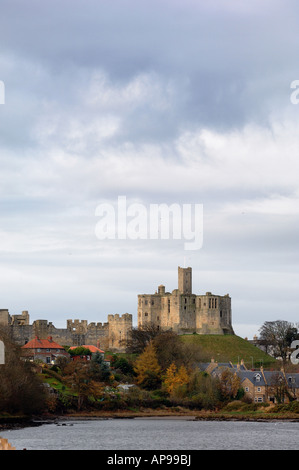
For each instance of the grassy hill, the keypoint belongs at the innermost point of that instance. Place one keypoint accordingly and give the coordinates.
(230, 348)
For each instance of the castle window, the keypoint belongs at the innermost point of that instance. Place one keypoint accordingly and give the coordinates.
(168, 305)
(215, 303)
(220, 313)
(152, 302)
(210, 303)
(145, 302)
(185, 300)
(146, 314)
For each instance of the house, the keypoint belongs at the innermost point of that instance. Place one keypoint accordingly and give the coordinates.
(84, 356)
(259, 385)
(87, 357)
(270, 386)
(45, 350)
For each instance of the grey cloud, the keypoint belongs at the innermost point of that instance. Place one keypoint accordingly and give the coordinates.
(163, 101)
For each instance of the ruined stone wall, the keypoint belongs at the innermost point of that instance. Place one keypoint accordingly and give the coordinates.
(119, 329)
(77, 332)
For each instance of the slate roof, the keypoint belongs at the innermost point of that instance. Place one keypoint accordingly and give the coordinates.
(257, 377)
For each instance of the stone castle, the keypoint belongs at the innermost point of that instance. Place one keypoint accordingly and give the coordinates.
(109, 336)
(181, 310)
(185, 312)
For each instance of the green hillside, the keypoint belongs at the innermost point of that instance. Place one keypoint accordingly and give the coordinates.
(225, 348)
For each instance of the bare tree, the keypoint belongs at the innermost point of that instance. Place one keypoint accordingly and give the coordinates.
(140, 337)
(277, 336)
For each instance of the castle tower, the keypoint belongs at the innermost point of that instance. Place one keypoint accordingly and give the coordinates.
(119, 328)
(185, 280)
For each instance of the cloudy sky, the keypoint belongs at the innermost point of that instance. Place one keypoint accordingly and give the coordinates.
(169, 101)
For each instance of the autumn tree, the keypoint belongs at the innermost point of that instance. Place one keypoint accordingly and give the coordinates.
(147, 369)
(175, 378)
(229, 384)
(79, 376)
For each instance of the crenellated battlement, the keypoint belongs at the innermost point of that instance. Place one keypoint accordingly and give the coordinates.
(116, 318)
(107, 335)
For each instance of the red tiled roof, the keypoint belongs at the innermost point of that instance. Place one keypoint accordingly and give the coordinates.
(91, 348)
(42, 344)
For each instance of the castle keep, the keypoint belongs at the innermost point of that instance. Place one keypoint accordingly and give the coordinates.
(109, 336)
(184, 311)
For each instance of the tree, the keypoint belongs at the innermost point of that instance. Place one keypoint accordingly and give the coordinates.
(169, 381)
(171, 349)
(99, 370)
(175, 378)
(278, 387)
(147, 369)
(80, 351)
(78, 378)
(140, 337)
(123, 365)
(61, 362)
(21, 390)
(229, 384)
(277, 336)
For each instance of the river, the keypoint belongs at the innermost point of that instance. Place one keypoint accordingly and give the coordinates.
(156, 434)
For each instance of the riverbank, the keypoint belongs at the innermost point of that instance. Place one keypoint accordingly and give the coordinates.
(202, 415)
(14, 422)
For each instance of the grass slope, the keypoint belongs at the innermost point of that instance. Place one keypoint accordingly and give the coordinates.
(225, 348)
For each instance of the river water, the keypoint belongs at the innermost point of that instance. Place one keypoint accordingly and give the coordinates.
(156, 434)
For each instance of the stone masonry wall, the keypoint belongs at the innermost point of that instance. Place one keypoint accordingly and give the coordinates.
(107, 336)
